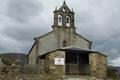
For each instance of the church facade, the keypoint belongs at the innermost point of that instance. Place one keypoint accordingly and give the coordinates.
(64, 51)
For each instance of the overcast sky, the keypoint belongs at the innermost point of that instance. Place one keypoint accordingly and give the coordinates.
(97, 20)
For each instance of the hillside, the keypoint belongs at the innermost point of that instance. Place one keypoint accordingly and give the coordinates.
(13, 56)
(115, 67)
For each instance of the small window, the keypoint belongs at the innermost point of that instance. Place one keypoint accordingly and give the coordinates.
(59, 20)
(64, 43)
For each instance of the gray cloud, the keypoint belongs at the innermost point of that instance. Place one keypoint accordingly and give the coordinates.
(23, 10)
(24, 33)
(101, 17)
(17, 35)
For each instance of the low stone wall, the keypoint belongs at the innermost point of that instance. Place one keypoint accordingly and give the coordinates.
(98, 63)
(45, 77)
(29, 77)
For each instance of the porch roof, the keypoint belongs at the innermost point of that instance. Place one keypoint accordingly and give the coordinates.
(74, 48)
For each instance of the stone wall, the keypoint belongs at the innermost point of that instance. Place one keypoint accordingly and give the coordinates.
(71, 37)
(82, 43)
(66, 34)
(50, 62)
(32, 56)
(47, 43)
(102, 65)
(98, 65)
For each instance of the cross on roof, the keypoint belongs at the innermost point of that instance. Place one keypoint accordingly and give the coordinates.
(64, 1)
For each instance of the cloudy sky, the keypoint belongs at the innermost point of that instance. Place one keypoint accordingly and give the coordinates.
(97, 20)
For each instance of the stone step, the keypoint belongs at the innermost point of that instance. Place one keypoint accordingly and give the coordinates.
(81, 78)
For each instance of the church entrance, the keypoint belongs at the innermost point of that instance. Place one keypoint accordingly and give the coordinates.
(77, 63)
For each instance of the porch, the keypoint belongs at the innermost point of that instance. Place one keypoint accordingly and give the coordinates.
(77, 62)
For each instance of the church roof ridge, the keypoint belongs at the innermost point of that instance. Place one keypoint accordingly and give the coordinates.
(44, 34)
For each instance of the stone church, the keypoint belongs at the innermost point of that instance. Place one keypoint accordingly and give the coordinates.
(66, 52)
